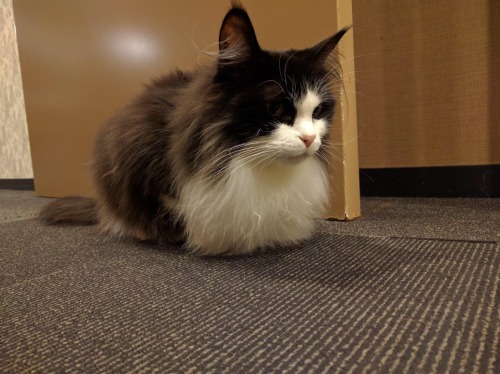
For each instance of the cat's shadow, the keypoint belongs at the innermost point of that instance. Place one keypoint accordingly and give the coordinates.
(324, 259)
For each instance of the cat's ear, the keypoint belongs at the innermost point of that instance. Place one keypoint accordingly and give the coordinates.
(237, 40)
(320, 52)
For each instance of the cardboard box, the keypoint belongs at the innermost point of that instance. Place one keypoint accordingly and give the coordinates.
(83, 60)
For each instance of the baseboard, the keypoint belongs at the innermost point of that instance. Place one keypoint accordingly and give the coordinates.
(448, 181)
(17, 184)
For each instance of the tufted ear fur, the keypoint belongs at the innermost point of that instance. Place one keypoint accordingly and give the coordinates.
(237, 40)
(320, 52)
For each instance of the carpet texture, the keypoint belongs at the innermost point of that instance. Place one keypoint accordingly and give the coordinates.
(412, 286)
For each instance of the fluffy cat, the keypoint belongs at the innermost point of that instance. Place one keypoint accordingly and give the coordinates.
(229, 158)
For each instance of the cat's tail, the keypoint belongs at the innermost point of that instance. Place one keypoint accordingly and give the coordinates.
(75, 210)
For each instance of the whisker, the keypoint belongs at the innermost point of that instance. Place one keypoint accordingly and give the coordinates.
(288, 60)
(249, 153)
(273, 81)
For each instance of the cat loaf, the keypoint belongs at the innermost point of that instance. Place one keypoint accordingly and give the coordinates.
(229, 158)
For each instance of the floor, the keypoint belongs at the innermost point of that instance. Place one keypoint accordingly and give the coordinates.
(411, 286)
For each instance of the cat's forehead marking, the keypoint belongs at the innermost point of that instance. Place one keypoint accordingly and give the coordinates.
(306, 103)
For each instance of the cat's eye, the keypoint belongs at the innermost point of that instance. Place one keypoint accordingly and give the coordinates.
(318, 111)
(276, 109)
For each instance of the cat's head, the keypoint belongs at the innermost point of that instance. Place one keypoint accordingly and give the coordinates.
(282, 102)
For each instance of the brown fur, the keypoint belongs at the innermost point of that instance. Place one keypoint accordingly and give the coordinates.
(69, 210)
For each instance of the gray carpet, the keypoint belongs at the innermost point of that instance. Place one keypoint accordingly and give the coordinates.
(412, 286)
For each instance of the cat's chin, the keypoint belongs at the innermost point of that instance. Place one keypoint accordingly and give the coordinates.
(293, 160)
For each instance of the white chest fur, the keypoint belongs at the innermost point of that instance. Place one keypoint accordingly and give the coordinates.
(255, 207)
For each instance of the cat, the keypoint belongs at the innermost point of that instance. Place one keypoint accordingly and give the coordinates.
(229, 158)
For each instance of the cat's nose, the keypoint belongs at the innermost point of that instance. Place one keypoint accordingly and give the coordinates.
(307, 139)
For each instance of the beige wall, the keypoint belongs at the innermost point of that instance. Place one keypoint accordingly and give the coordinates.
(428, 77)
(15, 157)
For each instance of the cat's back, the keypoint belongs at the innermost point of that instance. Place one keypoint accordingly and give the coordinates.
(145, 116)
(171, 83)
(134, 141)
